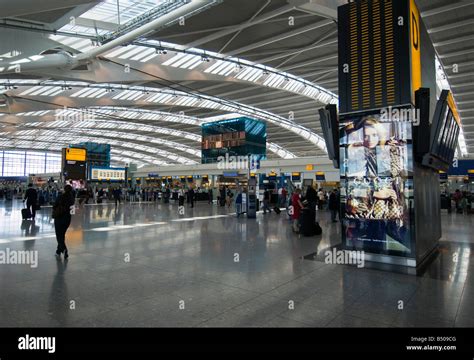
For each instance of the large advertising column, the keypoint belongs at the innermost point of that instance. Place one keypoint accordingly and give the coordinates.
(385, 56)
(377, 185)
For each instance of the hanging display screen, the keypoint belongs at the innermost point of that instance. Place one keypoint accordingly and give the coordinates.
(376, 184)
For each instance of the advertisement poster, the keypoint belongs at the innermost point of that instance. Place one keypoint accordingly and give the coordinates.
(376, 181)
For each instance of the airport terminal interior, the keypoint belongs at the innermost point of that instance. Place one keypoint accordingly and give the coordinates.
(224, 163)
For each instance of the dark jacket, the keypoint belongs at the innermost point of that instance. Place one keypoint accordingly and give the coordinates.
(333, 201)
(311, 195)
(31, 195)
(62, 206)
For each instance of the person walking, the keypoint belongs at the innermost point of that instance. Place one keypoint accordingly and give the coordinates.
(31, 196)
(230, 196)
(222, 196)
(210, 195)
(284, 194)
(311, 197)
(296, 206)
(333, 205)
(62, 218)
(321, 199)
(117, 192)
(266, 201)
(191, 196)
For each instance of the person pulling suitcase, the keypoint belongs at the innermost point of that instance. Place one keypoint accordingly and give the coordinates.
(31, 196)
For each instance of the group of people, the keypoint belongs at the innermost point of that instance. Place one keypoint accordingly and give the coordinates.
(461, 201)
(309, 201)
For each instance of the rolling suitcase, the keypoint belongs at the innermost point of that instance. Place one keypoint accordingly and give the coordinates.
(25, 213)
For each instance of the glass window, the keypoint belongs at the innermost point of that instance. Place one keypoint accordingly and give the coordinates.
(14, 163)
(21, 163)
(35, 163)
(53, 163)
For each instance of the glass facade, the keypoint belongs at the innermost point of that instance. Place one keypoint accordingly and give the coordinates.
(24, 163)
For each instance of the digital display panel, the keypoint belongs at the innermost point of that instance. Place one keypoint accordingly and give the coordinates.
(75, 154)
(376, 178)
(296, 176)
(107, 173)
(233, 137)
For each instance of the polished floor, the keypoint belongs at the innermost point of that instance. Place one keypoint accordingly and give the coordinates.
(144, 265)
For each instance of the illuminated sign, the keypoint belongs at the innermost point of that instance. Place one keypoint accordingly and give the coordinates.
(320, 176)
(74, 154)
(107, 173)
(309, 167)
(295, 176)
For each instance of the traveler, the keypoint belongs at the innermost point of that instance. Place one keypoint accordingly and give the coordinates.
(311, 197)
(62, 219)
(181, 197)
(321, 199)
(229, 198)
(266, 201)
(210, 195)
(100, 196)
(191, 195)
(31, 196)
(117, 192)
(334, 204)
(284, 194)
(296, 205)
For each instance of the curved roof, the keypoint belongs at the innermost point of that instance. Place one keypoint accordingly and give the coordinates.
(148, 95)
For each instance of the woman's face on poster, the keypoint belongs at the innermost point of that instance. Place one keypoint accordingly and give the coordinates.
(371, 137)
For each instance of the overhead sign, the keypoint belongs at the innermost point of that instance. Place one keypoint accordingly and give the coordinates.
(107, 173)
(309, 167)
(470, 174)
(320, 176)
(75, 154)
(295, 176)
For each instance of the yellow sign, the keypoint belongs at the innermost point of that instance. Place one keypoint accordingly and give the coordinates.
(74, 154)
(309, 167)
(252, 174)
(319, 173)
(295, 174)
(470, 171)
(415, 48)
